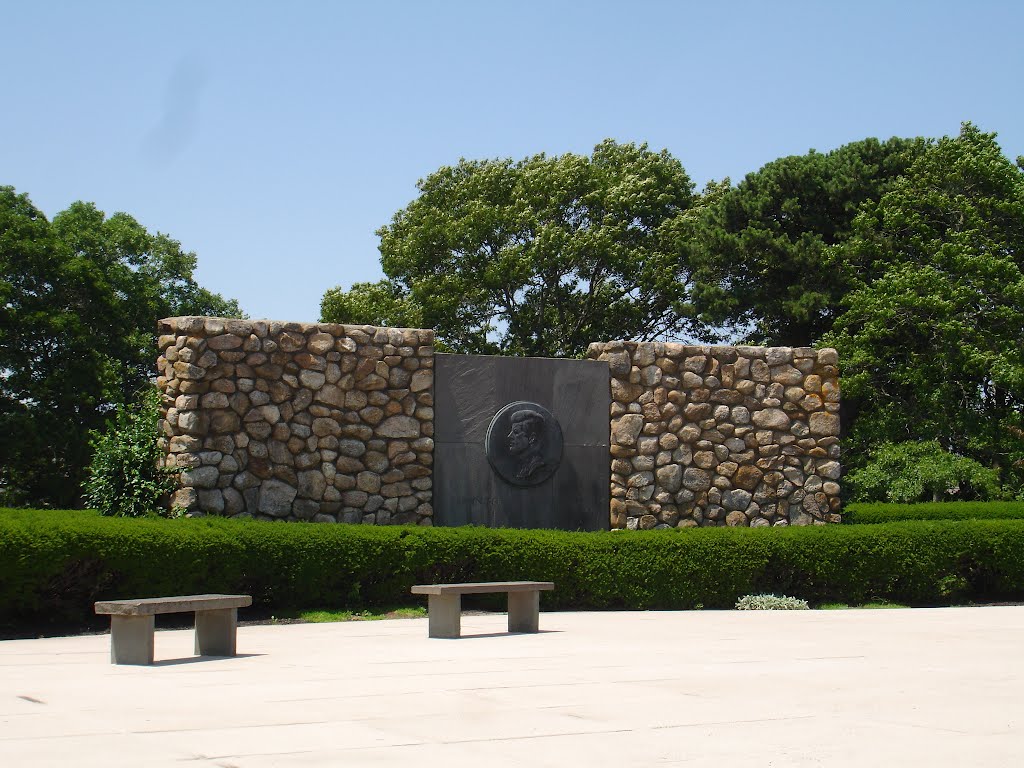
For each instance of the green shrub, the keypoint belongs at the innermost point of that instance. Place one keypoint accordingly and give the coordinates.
(862, 514)
(126, 478)
(53, 566)
(914, 471)
(770, 603)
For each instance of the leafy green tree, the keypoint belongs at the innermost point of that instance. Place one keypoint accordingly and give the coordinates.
(931, 334)
(26, 257)
(126, 477)
(759, 249)
(79, 301)
(536, 257)
(380, 303)
(903, 473)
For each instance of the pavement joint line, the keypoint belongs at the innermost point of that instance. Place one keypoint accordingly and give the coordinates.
(457, 660)
(244, 754)
(918, 726)
(450, 673)
(216, 727)
(581, 682)
(49, 736)
(587, 703)
(310, 751)
(730, 722)
(40, 653)
(341, 697)
(490, 739)
(793, 658)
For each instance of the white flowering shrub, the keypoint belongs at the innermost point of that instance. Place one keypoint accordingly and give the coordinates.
(770, 603)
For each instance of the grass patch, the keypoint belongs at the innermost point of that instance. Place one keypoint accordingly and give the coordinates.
(323, 617)
(878, 604)
(51, 514)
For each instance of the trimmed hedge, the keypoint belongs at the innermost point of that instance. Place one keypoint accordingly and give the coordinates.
(54, 566)
(871, 514)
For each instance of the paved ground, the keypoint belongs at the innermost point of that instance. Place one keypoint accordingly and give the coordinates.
(937, 687)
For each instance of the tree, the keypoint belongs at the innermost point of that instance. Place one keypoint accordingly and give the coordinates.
(126, 474)
(79, 301)
(380, 303)
(903, 473)
(759, 250)
(536, 257)
(931, 333)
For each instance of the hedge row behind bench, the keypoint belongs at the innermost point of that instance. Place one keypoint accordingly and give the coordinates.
(870, 514)
(53, 567)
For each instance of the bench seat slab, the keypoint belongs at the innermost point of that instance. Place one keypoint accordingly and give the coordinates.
(483, 587)
(154, 605)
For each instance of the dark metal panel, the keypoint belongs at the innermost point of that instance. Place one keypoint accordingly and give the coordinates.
(581, 400)
(464, 393)
(469, 391)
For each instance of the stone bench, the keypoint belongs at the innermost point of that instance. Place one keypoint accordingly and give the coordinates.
(132, 624)
(444, 604)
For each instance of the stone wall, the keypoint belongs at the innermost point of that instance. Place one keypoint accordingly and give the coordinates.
(335, 423)
(722, 435)
(299, 421)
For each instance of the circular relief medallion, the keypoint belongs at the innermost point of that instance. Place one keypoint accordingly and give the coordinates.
(524, 443)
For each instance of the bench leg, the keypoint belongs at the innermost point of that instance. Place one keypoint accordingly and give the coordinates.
(444, 613)
(523, 611)
(131, 639)
(216, 632)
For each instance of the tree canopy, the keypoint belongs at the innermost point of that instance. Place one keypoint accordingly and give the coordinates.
(904, 253)
(79, 301)
(535, 257)
(382, 303)
(931, 333)
(759, 249)
(903, 473)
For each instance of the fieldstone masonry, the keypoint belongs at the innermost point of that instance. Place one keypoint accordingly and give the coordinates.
(299, 421)
(335, 423)
(722, 435)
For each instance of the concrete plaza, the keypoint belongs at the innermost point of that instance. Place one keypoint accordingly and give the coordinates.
(936, 687)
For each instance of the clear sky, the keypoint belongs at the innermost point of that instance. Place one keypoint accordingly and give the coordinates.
(273, 139)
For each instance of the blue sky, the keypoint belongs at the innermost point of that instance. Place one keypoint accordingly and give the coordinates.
(273, 139)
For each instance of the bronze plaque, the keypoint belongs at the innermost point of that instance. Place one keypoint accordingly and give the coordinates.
(524, 443)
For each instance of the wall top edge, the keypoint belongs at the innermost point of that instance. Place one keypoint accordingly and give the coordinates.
(825, 355)
(588, 360)
(208, 326)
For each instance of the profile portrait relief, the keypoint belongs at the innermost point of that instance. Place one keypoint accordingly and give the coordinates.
(524, 443)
